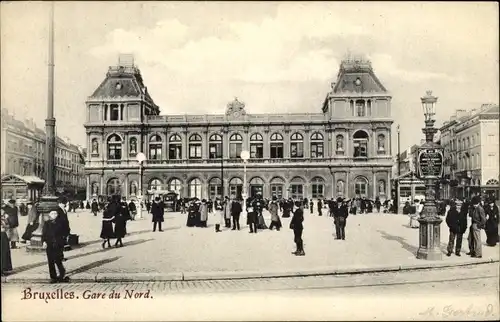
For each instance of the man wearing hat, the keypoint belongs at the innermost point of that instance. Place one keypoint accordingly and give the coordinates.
(54, 233)
(10, 210)
(478, 223)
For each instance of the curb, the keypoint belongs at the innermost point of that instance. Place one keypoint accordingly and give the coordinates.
(238, 275)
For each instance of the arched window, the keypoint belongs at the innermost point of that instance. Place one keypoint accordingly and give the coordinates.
(114, 187)
(236, 187)
(296, 146)
(175, 147)
(339, 144)
(114, 147)
(296, 188)
(132, 146)
(95, 147)
(318, 187)
(195, 188)
(215, 147)
(361, 187)
(276, 146)
(256, 146)
(360, 140)
(381, 143)
(175, 185)
(317, 145)
(360, 108)
(492, 182)
(195, 146)
(235, 146)
(381, 187)
(155, 147)
(215, 188)
(277, 187)
(155, 185)
(114, 112)
(134, 187)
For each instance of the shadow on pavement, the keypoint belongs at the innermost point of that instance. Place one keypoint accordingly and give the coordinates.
(93, 265)
(23, 268)
(96, 241)
(412, 249)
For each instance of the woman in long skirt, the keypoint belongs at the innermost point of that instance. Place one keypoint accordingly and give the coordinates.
(203, 213)
(219, 217)
(6, 258)
(491, 228)
(107, 231)
(191, 218)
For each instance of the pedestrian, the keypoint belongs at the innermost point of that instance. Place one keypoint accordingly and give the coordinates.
(261, 223)
(320, 207)
(132, 210)
(54, 231)
(158, 213)
(342, 219)
(311, 206)
(203, 213)
(491, 228)
(107, 231)
(457, 223)
(236, 210)
(227, 212)
(148, 206)
(275, 218)
(5, 248)
(296, 224)
(33, 222)
(336, 216)
(478, 223)
(13, 222)
(219, 217)
(95, 207)
(252, 215)
(412, 212)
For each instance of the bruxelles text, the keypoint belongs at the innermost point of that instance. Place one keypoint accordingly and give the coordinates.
(60, 294)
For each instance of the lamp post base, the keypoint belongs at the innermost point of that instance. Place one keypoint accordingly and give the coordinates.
(46, 205)
(430, 238)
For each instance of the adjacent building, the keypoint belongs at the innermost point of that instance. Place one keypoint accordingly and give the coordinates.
(409, 186)
(23, 160)
(471, 145)
(343, 149)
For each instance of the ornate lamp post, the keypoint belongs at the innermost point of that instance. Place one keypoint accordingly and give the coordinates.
(429, 169)
(48, 202)
(245, 155)
(141, 157)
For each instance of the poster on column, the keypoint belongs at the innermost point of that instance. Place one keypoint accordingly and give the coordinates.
(430, 163)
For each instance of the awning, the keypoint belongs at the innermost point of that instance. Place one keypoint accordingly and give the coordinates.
(15, 178)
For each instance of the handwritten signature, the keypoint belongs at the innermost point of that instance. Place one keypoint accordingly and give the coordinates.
(449, 311)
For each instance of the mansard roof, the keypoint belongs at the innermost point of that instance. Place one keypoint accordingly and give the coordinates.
(357, 76)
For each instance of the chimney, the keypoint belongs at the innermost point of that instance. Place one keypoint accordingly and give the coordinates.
(126, 60)
(460, 113)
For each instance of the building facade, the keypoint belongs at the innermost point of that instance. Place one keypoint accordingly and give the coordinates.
(23, 155)
(471, 145)
(409, 187)
(342, 150)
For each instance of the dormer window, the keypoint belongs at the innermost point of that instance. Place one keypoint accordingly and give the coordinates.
(118, 85)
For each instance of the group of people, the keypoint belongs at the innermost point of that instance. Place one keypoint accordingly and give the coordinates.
(115, 215)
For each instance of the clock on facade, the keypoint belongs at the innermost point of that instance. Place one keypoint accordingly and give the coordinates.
(357, 81)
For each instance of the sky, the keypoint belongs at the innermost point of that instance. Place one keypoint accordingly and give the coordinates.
(278, 57)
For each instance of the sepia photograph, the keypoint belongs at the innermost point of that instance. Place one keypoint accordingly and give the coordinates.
(249, 161)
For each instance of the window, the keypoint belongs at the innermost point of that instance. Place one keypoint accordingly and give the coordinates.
(155, 147)
(175, 147)
(215, 147)
(175, 185)
(296, 191)
(318, 187)
(317, 145)
(121, 111)
(195, 188)
(155, 185)
(256, 146)
(195, 146)
(105, 112)
(277, 187)
(215, 188)
(114, 187)
(361, 187)
(381, 143)
(360, 140)
(339, 144)
(235, 145)
(113, 112)
(133, 146)
(236, 187)
(114, 147)
(297, 145)
(360, 108)
(276, 146)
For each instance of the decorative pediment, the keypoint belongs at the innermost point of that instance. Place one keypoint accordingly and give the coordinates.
(235, 109)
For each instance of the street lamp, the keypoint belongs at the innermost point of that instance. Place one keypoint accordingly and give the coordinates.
(429, 169)
(245, 155)
(141, 157)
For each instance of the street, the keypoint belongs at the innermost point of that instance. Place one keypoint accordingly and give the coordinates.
(463, 293)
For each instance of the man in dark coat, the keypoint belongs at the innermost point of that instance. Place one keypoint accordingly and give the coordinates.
(320, 207)
(336, 216)
(457, 223)
(158, 212)
(478, 222)
(298, 227)
(235, 213)
(342, 219)
(53, 235)
(253, 215)
(132, 210)
(94, 207)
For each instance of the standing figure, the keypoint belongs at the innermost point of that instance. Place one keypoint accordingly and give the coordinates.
(297, 226)
(121, 216)
(252, 215)
(261, 223)
(457, 223)
(33, 222)
(378, 204)
(132, 208)
(13, 222)
(53, 235)
(311, 206)
(95, 207)
(227, 212)
(203, 213)
(158, 212)
(235, 213)
(286, 208)
(336, 216)
(342, 220)
(478, 223)
(275, 218)
(491, 228)
(5, 250)
(219, 217)
(191, 218)
(320, 207)
(107, 231)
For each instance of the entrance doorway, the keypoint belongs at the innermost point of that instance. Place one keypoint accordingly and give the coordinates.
(256, 189)
(277, 190)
